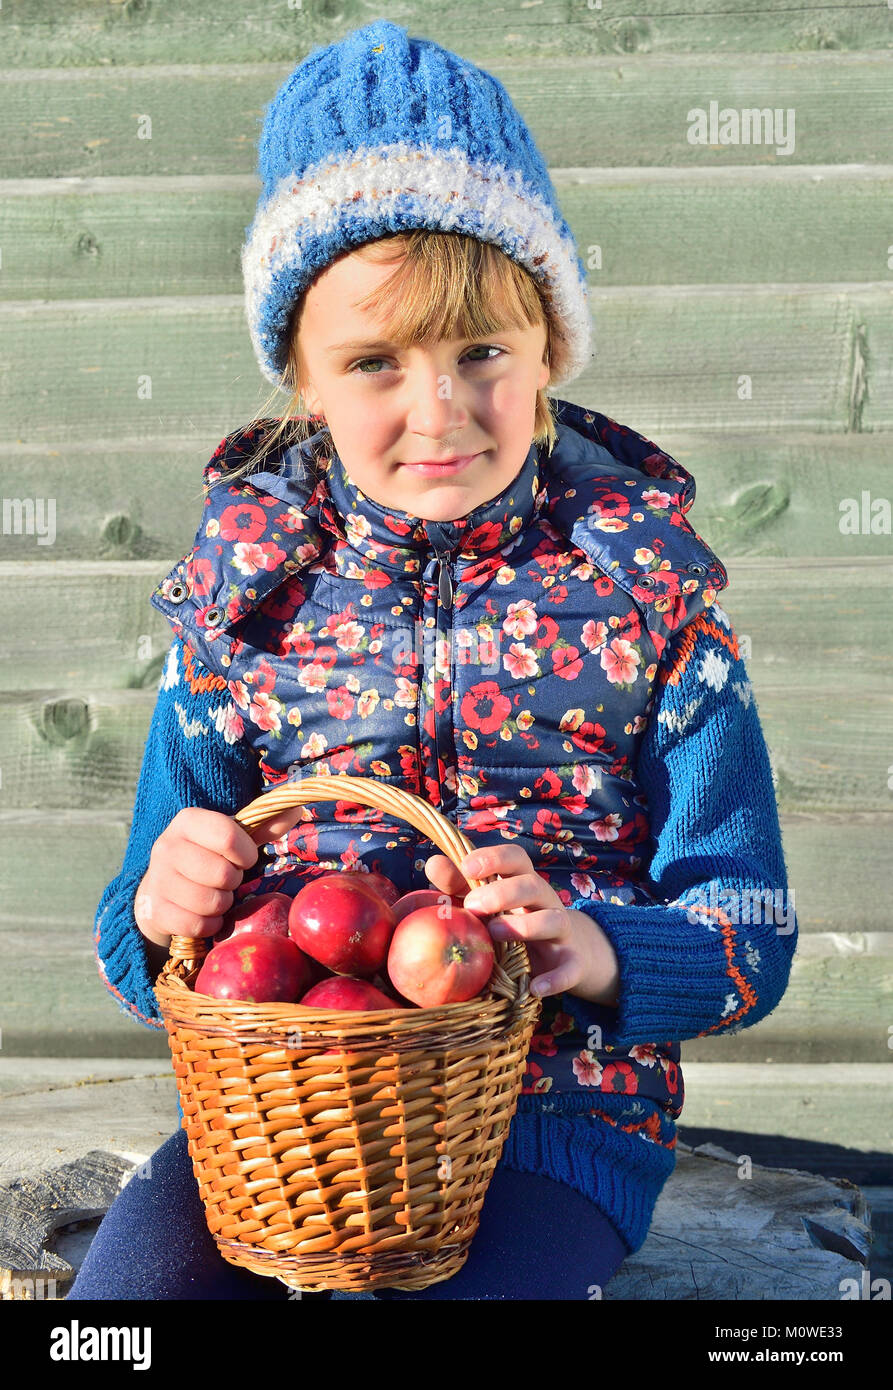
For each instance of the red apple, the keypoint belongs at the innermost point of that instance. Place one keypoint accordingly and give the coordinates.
(342, 923)
(383, 886)
(253, 966)
(437, 960)
(423, 897)
(346, 992)
(267, 913)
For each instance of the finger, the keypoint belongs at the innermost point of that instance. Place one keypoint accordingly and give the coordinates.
(559, 980)
(277, 825)
(205, 866)
(223, 834)
(170, 917)
(507, 894)
(442, 872)
(507, 860)
(527, 926)
(196, 898)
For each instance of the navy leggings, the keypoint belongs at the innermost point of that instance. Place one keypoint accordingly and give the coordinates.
(537, 1238)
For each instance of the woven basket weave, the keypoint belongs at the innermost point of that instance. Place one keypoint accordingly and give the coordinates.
(363, 1168)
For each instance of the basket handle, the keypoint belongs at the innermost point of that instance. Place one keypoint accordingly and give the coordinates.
(187, 951)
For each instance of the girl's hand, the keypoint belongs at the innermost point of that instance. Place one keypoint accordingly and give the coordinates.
(195, 867)
(569, 952)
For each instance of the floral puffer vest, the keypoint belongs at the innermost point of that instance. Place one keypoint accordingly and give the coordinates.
(502, 667)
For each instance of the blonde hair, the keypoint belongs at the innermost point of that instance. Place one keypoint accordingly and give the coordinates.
(446, 285)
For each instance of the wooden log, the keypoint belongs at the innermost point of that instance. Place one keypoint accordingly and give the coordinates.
(733, 1231)
(33, 1209)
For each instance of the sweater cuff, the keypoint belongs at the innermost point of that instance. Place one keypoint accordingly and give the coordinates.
(114, 935)
(668, 971)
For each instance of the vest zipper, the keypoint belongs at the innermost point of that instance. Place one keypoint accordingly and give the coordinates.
(444, 583)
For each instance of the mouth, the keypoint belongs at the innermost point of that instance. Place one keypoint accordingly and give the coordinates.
(441, 470)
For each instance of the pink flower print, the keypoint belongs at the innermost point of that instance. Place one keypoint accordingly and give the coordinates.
(348, 635)
(657, 499)
(239, 693)
(248, 557)
(608, 828)
(521, 662)
(620, 661)
(521, 619)
(314, 747)
(585, 779)
(594, 635)
(313, 676)
(584, 884)
(265, 711)
(587, 1070)
(405, 693)
(243, 523)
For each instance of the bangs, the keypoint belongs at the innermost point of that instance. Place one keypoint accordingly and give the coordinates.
(447, 285)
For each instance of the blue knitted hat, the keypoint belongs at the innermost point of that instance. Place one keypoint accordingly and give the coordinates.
(382, 133)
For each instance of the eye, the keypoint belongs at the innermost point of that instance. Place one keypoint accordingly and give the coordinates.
(478, 347)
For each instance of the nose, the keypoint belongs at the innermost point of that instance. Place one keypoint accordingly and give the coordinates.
(435, 408)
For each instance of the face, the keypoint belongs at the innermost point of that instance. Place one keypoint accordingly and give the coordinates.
(389, 408)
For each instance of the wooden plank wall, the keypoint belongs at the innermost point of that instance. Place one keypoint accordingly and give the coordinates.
(742, 298)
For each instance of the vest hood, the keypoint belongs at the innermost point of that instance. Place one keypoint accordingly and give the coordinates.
(614, 494)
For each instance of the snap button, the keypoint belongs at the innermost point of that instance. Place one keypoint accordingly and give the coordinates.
(214, 617)
(695, 568)
(647, 581)
(177, 593)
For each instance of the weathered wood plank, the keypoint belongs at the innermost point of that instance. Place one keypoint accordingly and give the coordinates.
(674, 358)
(119, 237)
(207, 117)
(95, 32)
(758, 494)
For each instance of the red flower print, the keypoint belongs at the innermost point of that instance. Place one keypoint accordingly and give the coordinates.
(547, 631)
(546, 825)
(340, 702)
(485, 708)
(376, 579)
(610, 504)
(202, 572)
(557, 594)
(544, 1044)
(484, 537)
(619, 1077)
(243, 523)
(566, 662)
(549, 784)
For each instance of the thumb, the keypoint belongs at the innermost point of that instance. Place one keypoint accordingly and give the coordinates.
(444, 875)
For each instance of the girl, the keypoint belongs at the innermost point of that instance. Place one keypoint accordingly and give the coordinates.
(448, 581)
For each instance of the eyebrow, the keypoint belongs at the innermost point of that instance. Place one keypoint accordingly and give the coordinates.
(379, 347)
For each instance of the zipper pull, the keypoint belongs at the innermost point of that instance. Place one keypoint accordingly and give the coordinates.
(444, 584)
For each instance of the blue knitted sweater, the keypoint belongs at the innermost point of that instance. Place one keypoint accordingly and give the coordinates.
(711, 957)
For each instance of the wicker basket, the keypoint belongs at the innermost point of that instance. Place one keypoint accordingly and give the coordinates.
(364, 1168)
